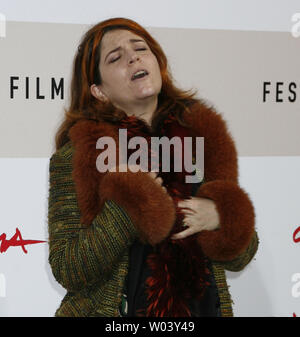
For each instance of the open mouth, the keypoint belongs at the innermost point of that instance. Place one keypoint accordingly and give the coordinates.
(139, 74)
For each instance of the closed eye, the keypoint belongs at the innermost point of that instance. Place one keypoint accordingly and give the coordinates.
(116, 59)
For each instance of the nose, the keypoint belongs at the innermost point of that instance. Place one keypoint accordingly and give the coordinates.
(133, 57)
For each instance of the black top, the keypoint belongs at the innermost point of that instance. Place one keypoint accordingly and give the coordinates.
(208, 306)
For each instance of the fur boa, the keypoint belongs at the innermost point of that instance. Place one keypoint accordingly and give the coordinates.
(178, 267)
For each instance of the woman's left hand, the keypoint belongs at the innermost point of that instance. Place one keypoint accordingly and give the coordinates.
(199, 214)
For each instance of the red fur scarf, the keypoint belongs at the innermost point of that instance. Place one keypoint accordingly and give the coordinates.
(178, 267)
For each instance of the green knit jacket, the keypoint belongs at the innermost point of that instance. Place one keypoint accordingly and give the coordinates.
(91, 263)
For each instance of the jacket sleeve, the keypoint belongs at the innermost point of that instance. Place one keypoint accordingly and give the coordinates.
(80, 255)
(131, 208)
(236, 240)
(244, 258)
(150, 208)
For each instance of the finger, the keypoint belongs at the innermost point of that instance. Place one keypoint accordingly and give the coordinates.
(181, 204)
(183, 234)
(184, 203)
(185, 224)
(188, 217)
(166, 191)
(159, 180)
(153, 174)
(187, 211)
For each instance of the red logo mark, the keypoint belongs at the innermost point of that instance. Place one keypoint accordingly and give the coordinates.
(295, 234)
(296, 240)
(15, 241)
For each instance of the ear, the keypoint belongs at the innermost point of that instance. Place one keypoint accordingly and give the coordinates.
(96, 92)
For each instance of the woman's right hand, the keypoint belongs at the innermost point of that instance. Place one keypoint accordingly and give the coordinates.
(157, 179)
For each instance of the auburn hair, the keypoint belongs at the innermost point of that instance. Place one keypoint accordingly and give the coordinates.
(83, 105)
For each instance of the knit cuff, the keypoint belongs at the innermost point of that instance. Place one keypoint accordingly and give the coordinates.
(150, 208)
(237, 218)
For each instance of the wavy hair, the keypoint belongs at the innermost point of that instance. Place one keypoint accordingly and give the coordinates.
(83, 105)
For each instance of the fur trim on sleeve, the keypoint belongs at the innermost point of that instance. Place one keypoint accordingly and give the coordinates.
(149, 207)
(237, 220)
(237, 216)
(151, 210)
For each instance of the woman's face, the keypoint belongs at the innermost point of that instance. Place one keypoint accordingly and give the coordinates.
(123, 55)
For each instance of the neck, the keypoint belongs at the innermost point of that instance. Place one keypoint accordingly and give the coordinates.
(144, 110)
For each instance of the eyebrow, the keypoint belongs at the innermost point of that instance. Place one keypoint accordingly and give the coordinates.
(118, 48)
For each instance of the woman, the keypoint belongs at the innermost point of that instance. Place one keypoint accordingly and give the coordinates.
(138, 243)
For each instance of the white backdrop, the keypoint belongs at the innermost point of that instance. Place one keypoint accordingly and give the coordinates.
(270, 284)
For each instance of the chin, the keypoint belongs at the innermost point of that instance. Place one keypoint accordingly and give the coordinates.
(148, 92)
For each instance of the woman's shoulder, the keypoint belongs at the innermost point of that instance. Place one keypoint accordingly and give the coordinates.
(82, 138)
(87, 130)
(203, 116)
(201, 108)
(65, 152)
